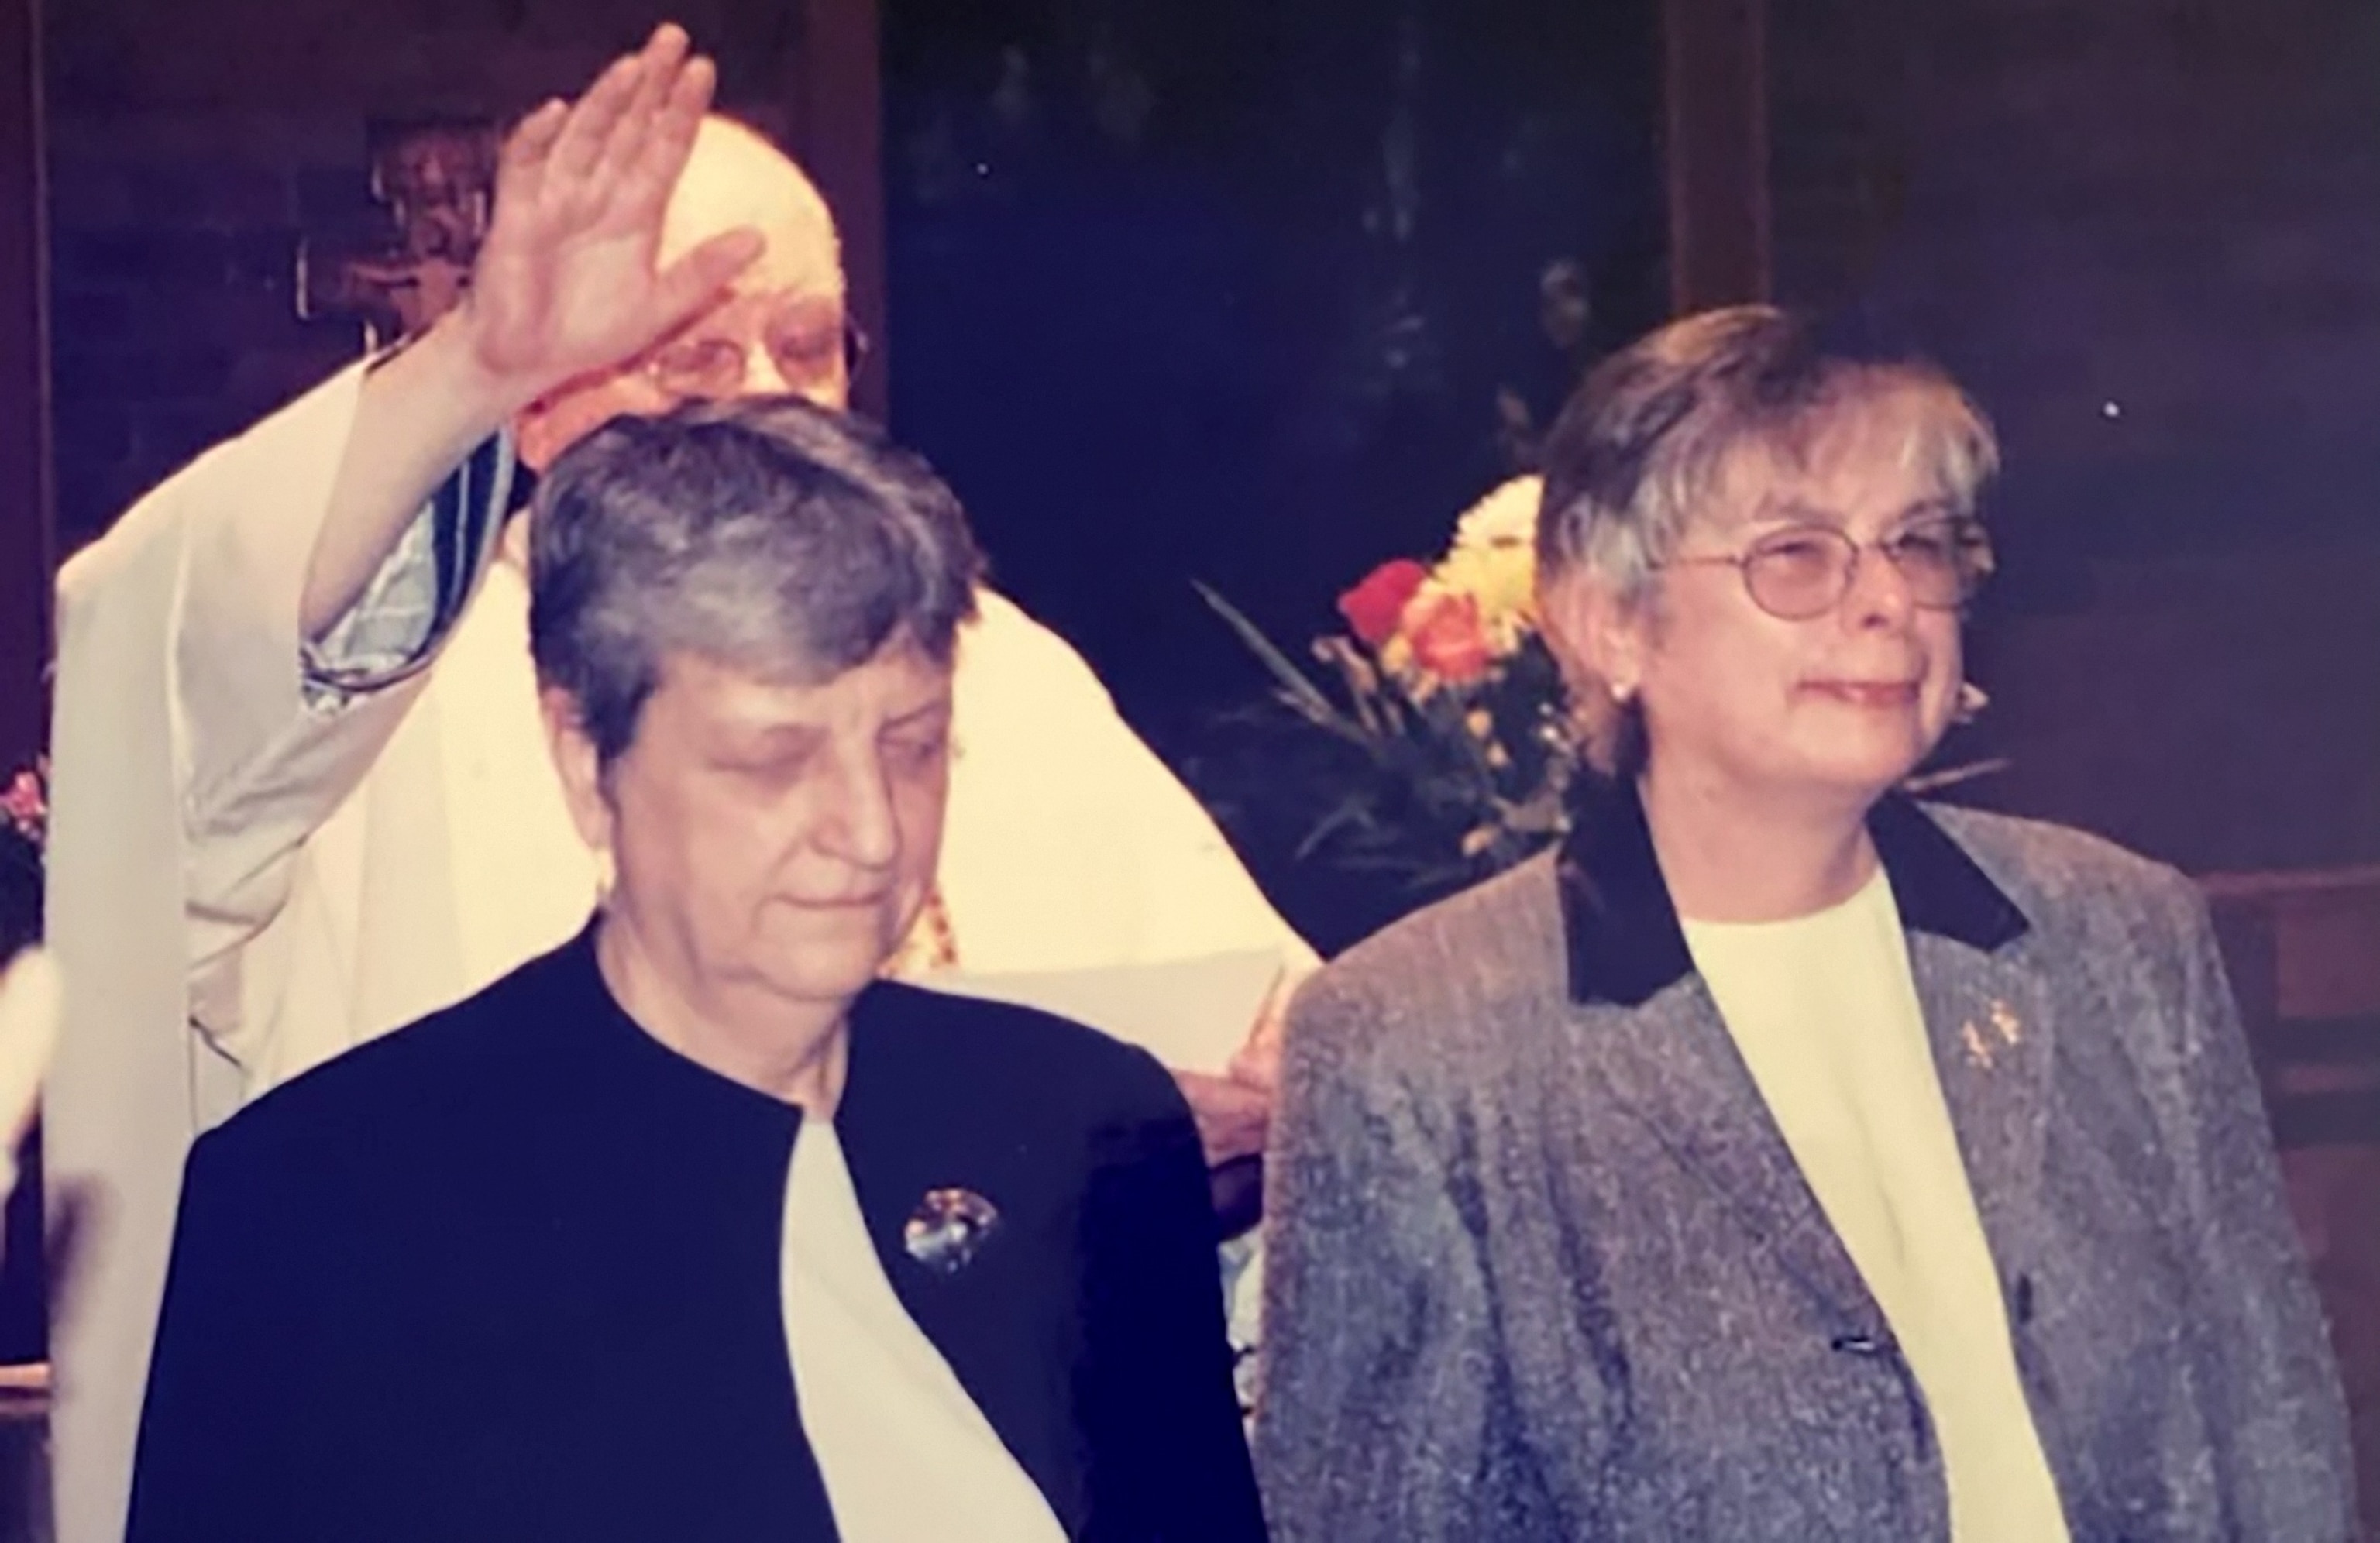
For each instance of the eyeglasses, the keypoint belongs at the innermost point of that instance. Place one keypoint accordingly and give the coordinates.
(712, 369)
(1805, 570)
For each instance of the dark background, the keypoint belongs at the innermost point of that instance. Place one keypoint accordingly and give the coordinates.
(2147, 233)
(1258, 295)
(1232, 291)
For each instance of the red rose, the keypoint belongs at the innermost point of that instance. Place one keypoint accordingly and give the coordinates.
(1373, 607)
(1448, 640)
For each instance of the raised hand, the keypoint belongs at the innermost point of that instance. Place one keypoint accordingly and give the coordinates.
(569, 281)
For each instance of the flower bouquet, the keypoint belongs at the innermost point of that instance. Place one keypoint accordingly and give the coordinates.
(1443, 707)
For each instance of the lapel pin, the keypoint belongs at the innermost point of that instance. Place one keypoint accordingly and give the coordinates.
(948, 1229)
(2004, 1019)
(1979, 1050)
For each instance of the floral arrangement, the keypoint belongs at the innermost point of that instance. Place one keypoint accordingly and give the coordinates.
(1446, 703)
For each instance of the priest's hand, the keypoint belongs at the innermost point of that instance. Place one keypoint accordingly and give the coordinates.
(1234, 1111)
(1234, 1115)
(569, 280)
(567, 283)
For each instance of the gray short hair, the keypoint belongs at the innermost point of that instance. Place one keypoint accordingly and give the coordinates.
(765, 533)
(1640, 445)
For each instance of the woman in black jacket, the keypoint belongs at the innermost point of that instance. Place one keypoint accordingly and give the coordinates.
(696, 1229)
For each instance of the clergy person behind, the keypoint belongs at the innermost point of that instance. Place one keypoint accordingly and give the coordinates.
(1783, 1158)
(697, 1227)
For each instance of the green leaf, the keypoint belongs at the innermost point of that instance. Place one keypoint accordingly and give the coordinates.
(1354, 810)
(1297, 688)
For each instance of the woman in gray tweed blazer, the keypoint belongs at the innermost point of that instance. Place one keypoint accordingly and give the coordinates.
(1783, 1158)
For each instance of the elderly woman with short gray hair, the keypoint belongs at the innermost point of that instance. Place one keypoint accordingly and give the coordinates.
(697, 1229)
(1783, 1158)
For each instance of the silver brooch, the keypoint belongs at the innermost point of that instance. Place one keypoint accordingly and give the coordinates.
(948, 1229)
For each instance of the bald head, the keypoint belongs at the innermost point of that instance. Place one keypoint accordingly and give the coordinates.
(734, 177)
(778, 329)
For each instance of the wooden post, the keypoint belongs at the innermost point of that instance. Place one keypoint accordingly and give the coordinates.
(1715, 75)
(838, 136)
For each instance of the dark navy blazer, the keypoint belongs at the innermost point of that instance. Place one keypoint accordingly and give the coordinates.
(513, 1274)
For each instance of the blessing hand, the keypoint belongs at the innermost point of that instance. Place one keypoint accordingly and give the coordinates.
(567, 280)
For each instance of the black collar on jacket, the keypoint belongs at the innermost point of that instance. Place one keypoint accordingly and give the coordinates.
(1621, 931)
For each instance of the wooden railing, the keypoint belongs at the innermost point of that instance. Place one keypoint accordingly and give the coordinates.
(2303, 951)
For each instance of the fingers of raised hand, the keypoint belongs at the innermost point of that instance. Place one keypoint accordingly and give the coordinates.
(702, 273)
(525, 149)
(649, 168)
(593, 116)
(663, 60)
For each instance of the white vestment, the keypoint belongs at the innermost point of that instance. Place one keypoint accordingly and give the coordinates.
(298, 871)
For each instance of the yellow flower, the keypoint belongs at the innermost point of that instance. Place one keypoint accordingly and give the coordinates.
(1493, 560)
(1502, 581)
(1506, 516)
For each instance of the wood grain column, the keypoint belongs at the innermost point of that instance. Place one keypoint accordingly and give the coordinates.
(838, 135)
(26, 542)
(1716, 120)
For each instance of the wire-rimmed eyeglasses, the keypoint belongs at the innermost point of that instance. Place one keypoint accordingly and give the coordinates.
(1803, 571)
(716, 367)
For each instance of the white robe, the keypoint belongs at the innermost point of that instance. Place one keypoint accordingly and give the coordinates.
(296, 878)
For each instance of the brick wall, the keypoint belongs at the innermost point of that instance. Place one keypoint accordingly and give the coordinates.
(2147, 232)
(190, 145)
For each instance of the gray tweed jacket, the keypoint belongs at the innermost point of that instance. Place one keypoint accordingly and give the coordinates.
(1543, 1268)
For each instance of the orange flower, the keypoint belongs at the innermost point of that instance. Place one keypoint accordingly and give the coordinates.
(1373, 607)
(1448, 638)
